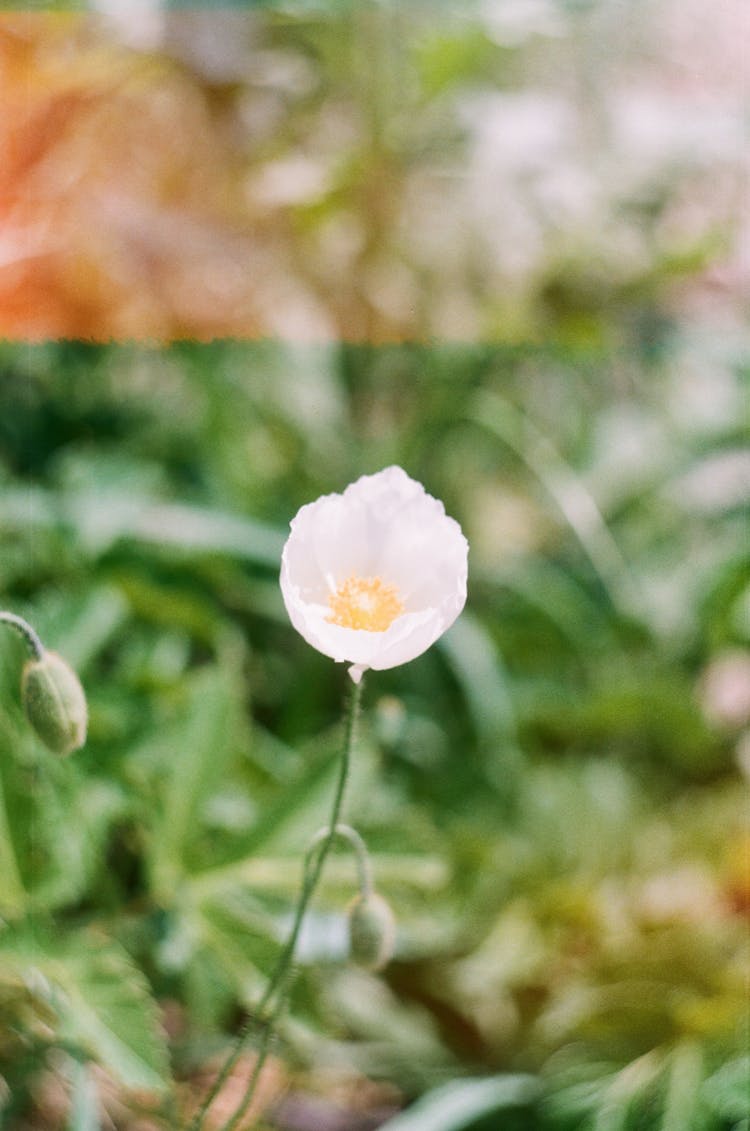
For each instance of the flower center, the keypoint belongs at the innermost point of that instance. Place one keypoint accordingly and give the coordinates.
(364, 602)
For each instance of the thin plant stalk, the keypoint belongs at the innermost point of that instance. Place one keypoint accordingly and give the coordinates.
(279, 982)
(24, 629)
(364, 866)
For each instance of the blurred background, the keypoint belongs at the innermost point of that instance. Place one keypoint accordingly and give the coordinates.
(247, 256)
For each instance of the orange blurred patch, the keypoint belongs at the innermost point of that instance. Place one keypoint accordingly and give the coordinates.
(132, 206)
(120, 216)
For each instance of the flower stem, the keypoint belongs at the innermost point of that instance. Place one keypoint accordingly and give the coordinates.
(277, 986)
(364, 866)
(23, 627)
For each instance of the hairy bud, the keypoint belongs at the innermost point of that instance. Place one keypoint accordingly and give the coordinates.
(54, 702)
(372, 931)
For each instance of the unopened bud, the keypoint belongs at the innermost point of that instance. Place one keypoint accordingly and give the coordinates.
(372, 931)
(54, 702)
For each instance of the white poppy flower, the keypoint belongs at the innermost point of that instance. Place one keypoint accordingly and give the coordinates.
(374, 576)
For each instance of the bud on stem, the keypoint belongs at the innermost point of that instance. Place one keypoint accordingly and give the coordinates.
(372, 926)
(53, 699)
(372, 931)
(54, 702)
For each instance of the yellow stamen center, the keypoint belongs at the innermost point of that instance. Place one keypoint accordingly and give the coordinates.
(365, 602)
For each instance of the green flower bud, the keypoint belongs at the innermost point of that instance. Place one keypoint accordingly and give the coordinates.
(372, 931)
(54, 702)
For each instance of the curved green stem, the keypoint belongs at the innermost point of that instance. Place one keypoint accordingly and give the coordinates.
(277, 985)
(364, 866)
(23, 627)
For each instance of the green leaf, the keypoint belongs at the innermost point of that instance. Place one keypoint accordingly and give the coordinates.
(100, 519)
(80, 626)
(565, 489)
(238, 936)
(84, 1114)
(478, 667)
(100, 1001)
(458, 1104)
(53, 821)
(193, 752)
(624, 1091)
(12, 891)
(107, 1010)
(685, 1075)
(294, 815)
(727, 1091)
(560, 596)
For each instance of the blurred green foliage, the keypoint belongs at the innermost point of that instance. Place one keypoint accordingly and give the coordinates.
(552, 801)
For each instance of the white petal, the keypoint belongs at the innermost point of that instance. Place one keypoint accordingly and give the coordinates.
(383, 525)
